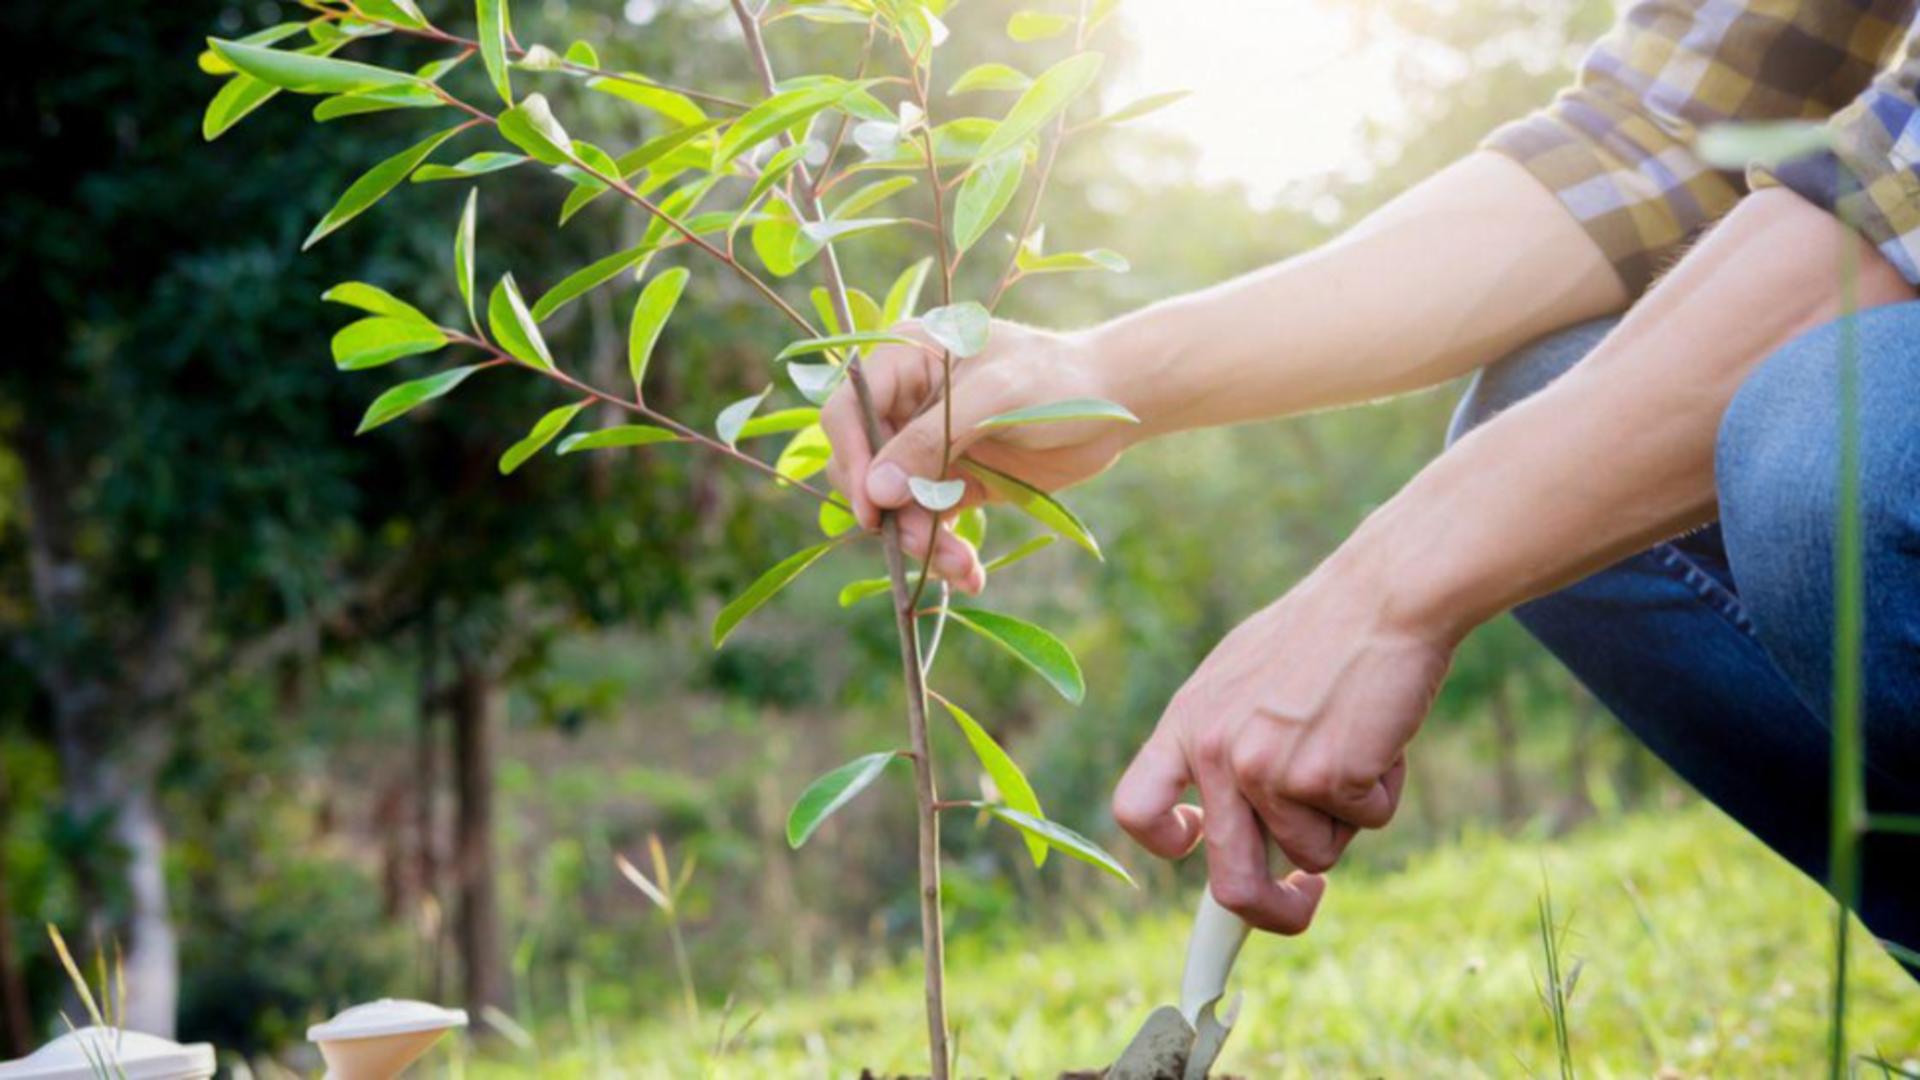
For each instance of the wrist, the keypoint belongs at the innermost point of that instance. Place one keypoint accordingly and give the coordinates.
(1130, 360)
(1401, 564)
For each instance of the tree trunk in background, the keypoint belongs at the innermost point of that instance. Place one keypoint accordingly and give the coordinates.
(475, 706)
(108, 751)
(1506, 750)
(16, 1029)
(1576, 805)
(428, 906)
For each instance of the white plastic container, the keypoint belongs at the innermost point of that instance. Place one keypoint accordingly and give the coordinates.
(377, 1040)
(134, 1054)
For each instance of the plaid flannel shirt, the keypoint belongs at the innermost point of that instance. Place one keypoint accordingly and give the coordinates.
(1616, 148)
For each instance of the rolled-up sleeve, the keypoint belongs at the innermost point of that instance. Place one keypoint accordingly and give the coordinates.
(1638, 191)
(1617, 148)
(1869, 177)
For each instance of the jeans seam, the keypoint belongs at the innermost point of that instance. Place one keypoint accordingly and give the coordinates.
(1706, 587)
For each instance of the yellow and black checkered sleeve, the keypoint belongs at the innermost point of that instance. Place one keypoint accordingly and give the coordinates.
(1616, 149)
(1870, 174)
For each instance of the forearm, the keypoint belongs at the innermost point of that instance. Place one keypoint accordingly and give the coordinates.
(1456, 272)
(1618, 453)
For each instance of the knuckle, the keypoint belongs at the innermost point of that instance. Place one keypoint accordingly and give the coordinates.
(1131, 815)
(1249, 769)
(1313, 781)
(1314, 858)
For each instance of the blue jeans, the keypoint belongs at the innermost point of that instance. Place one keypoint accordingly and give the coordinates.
(1715, 649)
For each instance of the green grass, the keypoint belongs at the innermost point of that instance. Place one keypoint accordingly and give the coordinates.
(1699, 952)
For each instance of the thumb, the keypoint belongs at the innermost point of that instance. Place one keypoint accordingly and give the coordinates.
(920, 448)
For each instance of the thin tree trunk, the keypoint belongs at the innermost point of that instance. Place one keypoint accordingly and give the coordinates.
(16, 1029)
(426, 763)
(475, 705)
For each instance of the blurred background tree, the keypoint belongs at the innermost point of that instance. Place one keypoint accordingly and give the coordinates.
(301, 718)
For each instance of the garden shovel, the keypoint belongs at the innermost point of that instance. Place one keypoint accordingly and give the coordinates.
(1183, 1043)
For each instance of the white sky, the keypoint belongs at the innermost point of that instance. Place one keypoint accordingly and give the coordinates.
(1280, 87)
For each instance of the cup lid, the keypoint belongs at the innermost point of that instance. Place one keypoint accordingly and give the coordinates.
(388, 1016)
(139, 1056)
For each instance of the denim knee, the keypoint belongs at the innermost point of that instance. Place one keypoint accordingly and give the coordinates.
(1523, 373)
(1777, 470)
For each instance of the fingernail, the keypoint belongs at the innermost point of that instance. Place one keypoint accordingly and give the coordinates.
(887, 484)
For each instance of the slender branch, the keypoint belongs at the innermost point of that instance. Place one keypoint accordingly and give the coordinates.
(932, 941)
(646, 412)
(1047, 157)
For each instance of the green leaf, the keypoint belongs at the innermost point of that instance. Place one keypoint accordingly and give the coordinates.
(831, 792)
(374, 184)
(373, 101)
(835, 518)
(410, 395)
(586, 185)
(463, 255)
(399, 12)
(306, 72)
(1036, 504)
(486, 161)
(492, 32)
(989, 77)
(763, 589)
(984, 196)
(382, 339)
(826, 232)
(778, 113)
(1033, 546)
(1133, 110)
(374, 299)
(776, 170)
(805, 454)
(971, 525)
(650, 315)
(960, 328)
(1037, 25)
(1050, 94)
(904, 296)
(543, 433)
(659, 147)
(872, 195)
(1059, 836)
(735, 416)
(816, 382)
(531, 127)
(1014, 789)
(582, 54)
(514, 327)
(779, 422)
(837, 342)
(1071, 409)
(1034, 646)
(638, 89)
(936, 495)
(1069, 261)
(588, 278)
(211, 63)
(613, 438)
(539, 58)
(866, 313)
(855, 591)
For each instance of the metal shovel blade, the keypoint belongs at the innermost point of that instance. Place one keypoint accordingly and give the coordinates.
(1209, 1036)
(1159, 1051)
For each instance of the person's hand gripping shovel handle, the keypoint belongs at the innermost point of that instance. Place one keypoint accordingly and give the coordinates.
(1185, 1042)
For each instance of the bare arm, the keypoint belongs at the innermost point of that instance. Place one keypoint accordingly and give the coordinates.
(1459, 270)
(1299, 720)
(1453, 274)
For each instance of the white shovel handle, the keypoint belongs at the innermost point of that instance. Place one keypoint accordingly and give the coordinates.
(1214, 945)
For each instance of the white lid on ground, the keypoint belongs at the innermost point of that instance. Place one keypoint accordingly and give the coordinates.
(388, 1016)
(77, 1055)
